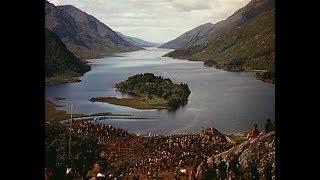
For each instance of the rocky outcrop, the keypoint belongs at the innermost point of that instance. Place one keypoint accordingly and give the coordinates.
(258, 152)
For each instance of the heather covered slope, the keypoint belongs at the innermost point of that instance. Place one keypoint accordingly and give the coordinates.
(205, 32)
(80, 37)
(60, 61)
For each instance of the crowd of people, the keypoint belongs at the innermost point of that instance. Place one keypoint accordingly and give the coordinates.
(185, 156)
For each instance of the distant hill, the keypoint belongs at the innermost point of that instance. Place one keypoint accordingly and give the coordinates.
(83, 34)
(249, 46)
(189, 38)
(207, 31)
(59, 60)
(137, 41)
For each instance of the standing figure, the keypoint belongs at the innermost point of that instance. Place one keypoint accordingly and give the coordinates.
(222, 168)
(254, 132)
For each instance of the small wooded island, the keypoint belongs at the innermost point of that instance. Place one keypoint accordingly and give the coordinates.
(150, 91)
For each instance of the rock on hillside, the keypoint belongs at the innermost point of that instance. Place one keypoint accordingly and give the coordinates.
(258, 151)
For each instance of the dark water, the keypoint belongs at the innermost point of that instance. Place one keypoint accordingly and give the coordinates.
(229, 101)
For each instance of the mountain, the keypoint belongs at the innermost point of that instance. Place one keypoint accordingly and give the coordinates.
(59, 60)
(249, 46)
(136, 41)
(207, 31)
(84, 35)
(189, 38)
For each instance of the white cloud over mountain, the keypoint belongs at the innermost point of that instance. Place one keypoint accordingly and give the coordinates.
(156, 20)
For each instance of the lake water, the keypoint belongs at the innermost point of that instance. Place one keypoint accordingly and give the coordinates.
(229, 101)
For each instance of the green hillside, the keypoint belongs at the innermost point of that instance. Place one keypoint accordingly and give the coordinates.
(59, 61)
(250, 47)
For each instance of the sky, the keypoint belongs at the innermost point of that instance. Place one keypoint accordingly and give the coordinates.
(156, 21)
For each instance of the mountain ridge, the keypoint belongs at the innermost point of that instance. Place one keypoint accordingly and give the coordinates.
(204, 32)
(137, 41)
(80, 36)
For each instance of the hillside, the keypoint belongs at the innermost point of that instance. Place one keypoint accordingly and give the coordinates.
(84, 35)
(246, 48)
(59, 61)
(189, 38)
(203, 33)
(136, 41)
(179, 156)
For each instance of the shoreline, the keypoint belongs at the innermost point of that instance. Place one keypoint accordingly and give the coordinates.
(62, 79)
(52, 114)
(228, 70)
(65, 78)
(136, 102)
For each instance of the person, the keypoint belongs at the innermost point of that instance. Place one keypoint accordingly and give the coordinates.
(58, 173)
(267, 171)
(254, 132)
(234, 167)
(268, 126)
(222, 168)
(193, 171)
(210, 172)
(201, 170)
(47, 174)
(93, 173)
(254, 173)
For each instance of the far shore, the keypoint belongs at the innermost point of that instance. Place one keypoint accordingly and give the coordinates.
(65, 78)
(226, 69)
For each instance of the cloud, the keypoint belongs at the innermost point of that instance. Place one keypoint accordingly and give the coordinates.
(55, 2)
(156, 20)
(190, 5)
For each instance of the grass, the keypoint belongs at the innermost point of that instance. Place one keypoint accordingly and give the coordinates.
(240, 138)
(52, 114)
(137, 102)
(62, 78)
